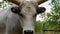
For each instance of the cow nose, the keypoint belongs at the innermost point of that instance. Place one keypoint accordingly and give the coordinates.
(28, 32)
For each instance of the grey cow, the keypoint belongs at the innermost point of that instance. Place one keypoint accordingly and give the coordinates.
(21, 19)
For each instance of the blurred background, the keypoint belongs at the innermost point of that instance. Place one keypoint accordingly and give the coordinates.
(47, 22)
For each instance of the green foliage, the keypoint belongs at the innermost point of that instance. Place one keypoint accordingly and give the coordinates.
(4, 3)
(38, 26)
(1, 3)
(53, 20)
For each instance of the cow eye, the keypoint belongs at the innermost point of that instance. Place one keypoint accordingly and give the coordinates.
(41, 10)
(15, 10)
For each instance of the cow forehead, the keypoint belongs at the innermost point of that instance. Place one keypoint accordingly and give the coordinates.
(28, 10)
(28, 7)
(28, 2)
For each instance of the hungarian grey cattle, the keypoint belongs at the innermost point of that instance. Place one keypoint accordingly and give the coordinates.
(21, 19)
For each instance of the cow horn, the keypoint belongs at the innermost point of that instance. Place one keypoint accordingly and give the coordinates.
(14, 1)
(41, 1)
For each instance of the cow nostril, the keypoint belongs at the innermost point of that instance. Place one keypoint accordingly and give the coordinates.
(28, 32)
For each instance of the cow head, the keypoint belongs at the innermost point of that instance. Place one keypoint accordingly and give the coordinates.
(27, 11)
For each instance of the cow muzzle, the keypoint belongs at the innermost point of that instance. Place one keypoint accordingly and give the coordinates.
(28, 32)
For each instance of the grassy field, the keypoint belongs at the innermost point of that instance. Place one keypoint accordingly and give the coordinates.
(39, 29)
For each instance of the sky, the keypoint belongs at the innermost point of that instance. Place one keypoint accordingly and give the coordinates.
(46, 5)
(1, 0)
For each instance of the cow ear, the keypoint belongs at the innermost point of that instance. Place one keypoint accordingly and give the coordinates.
(15, 10)
(41, 10)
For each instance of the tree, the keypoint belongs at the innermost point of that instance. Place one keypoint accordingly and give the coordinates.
(53, 20)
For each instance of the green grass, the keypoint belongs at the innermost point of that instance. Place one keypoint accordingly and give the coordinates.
(38, 27)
